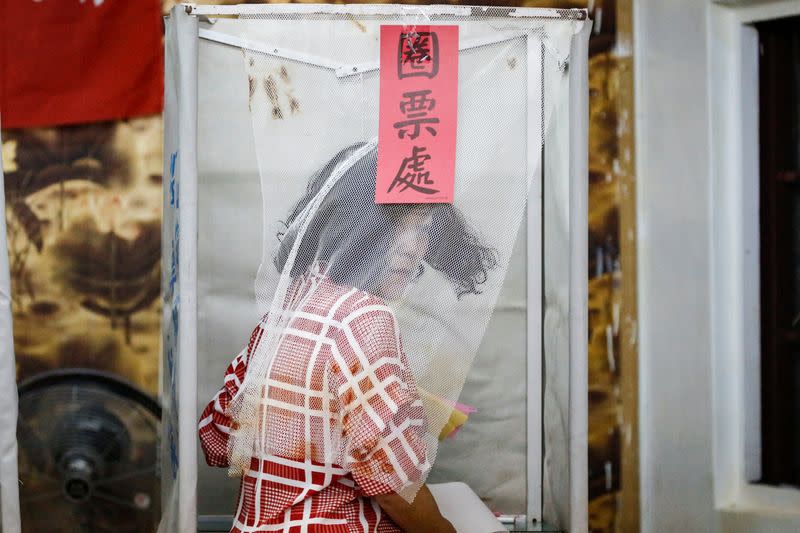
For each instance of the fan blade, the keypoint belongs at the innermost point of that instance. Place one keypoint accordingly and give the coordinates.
(112, 518)
(34, 444)
(126, 475)
(42, 496)
(114, 499)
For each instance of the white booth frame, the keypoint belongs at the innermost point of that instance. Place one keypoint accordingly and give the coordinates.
(557, 377)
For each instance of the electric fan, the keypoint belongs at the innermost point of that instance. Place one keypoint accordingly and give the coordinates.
(88, 454)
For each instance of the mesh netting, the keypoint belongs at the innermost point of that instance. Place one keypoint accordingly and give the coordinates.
(373, 313)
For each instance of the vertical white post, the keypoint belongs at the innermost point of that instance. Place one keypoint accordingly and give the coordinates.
(179, 364)
(565, 472)
(534, 376)
(578, 287)
(9, 487)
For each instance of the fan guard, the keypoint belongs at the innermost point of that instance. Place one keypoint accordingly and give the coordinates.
(88, 454)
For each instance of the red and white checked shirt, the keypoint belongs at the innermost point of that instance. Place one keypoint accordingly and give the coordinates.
(345, 408)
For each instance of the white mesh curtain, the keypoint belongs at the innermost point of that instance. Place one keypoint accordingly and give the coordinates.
(311, 79)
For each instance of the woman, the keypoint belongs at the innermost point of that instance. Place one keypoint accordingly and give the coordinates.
(344, 424)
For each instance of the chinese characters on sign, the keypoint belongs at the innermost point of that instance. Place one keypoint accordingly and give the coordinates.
(418, 54)
(415, 106)
(418, 114)
(412, 173)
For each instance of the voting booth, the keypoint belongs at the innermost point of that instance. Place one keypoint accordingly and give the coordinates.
(478, 113)
(259, 98)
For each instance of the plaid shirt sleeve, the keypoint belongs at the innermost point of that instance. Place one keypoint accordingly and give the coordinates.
(215, 425)
(383, 421)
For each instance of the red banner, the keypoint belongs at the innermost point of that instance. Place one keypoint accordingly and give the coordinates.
(73, 61)
(418, 114)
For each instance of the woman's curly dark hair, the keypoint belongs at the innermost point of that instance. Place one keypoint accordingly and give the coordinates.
(350, 232)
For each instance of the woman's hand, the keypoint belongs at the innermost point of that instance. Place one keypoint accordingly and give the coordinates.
(420, 516)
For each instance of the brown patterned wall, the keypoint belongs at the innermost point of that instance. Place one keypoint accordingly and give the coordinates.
(83, 209)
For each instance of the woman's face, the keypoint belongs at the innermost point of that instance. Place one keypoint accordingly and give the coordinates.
(406, 254)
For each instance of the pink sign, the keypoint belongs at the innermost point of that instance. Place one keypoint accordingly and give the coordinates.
(418, 114)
